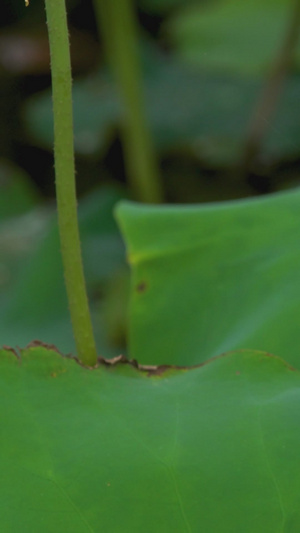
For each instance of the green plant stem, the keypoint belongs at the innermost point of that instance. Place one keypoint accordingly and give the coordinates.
(118, 24)
(269, 97)
(65, 181)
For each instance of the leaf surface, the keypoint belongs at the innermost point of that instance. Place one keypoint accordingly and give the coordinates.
(223, 276)
(230, 35)
(211, 449)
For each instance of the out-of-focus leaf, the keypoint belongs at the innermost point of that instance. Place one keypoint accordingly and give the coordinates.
(18, 239)
(96, 113)
(185, 107)
(17, 194)
(224, 275)
(214, 449)
(36, 304)
(230, 35)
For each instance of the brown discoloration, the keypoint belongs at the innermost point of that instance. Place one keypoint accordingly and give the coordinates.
(271, 355)
(150, 370)
(113, 361)
(142, 286)
(10, 349)
(39, 344)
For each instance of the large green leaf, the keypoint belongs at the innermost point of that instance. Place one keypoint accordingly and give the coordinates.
(230, 35)
(223, 276)
(214, 449)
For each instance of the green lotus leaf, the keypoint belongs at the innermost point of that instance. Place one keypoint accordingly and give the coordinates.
(223, 275)
(214, 449)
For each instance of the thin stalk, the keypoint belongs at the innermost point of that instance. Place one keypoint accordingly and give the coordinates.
(65, 181)
(268, 99)
(118, 24)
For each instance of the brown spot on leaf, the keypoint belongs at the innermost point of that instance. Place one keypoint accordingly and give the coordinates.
(142, 286)
(10, 349)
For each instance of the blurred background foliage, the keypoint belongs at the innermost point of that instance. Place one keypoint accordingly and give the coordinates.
(221, 83)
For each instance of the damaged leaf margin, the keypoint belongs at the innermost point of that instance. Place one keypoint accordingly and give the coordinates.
(149, 370)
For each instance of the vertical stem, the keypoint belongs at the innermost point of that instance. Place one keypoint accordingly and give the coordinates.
(270, 95)
(118, 25)
(65, 181)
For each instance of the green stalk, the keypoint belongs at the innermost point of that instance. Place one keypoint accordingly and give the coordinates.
(118, 25)
(65, 181)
